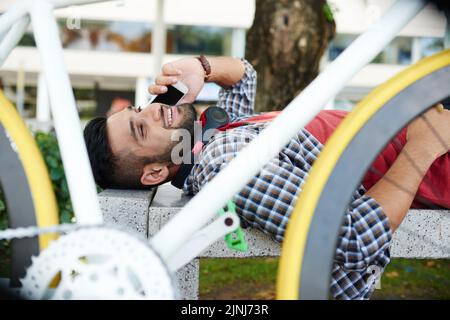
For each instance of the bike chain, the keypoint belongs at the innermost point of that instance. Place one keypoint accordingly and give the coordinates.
(33, 231)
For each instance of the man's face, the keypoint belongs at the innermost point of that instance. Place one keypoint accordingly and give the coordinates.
(148, 133)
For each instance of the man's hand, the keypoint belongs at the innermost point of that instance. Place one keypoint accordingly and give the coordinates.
(225, 71)
(187, 70)
(431, 132)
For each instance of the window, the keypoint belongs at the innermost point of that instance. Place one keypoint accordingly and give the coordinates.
(397, 52)
(198, 39)
(101, 36)
(85, 99)
(107, 36)
(126, 36)
(429, 46)
(27, 40)
(28, 98)
(339, 44)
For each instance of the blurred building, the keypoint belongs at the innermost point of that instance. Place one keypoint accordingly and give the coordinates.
(110, 52)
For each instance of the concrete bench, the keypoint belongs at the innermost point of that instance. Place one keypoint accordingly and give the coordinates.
(423, 234)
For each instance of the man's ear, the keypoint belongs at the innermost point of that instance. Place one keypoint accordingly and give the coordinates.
(154, 173)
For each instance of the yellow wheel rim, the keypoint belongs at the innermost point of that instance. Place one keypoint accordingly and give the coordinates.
(44, 201)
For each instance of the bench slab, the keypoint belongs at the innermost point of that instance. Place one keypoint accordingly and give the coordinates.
(423, 233)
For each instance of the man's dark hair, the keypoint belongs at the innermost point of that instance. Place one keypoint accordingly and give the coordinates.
(105, 165)
(442, 5)
(123, 170)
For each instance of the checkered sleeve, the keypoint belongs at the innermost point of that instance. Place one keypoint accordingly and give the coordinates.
(238, 100)
(266, 202)
(365, 234)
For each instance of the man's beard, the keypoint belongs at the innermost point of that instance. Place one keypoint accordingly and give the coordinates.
(187, 123)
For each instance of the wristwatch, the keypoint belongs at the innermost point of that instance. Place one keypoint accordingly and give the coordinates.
(206, 66)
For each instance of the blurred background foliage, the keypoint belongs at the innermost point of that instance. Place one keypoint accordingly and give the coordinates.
(50, 151)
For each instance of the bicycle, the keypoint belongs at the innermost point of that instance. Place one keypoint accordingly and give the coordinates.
(169, 253)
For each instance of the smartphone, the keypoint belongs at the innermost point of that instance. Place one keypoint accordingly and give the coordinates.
(174, 94)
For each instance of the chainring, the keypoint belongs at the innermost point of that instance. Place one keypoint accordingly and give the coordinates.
(98, 263)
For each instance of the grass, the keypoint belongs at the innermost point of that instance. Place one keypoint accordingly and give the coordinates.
(4, 259)
(238, 278)
(255, 279)
(415, 279)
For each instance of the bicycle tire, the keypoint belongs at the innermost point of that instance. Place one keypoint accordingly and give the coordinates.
(304, 272)
(27, 186)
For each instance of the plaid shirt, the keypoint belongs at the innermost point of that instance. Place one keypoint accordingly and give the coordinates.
(268, 200)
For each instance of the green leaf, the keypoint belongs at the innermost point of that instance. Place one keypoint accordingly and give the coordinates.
(328, 12)
(48, 144)
(65, 216)
(64, 188)
(2, 205)
(56, 173)
(51, 161)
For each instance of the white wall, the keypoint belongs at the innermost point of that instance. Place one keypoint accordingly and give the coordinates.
(229, 13)
(354, 16)
(106, 67)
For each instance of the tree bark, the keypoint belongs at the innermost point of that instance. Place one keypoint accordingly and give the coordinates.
(285, 45)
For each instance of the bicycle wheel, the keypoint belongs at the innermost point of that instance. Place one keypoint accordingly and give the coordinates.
(27, 187)
(304, 272)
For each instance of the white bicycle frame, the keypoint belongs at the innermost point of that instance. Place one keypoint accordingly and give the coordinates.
(188, 225)
(13, 23)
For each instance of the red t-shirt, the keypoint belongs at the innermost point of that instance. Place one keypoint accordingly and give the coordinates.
(435, 187)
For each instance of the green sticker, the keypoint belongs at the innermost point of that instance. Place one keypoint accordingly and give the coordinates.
(235, 240)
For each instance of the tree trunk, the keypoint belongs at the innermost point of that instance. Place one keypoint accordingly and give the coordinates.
(285, 45)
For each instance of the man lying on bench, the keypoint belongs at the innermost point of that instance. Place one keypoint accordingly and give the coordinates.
(132, 149)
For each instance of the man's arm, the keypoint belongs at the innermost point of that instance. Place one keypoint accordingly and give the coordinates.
(225, 71)
(396, 190)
